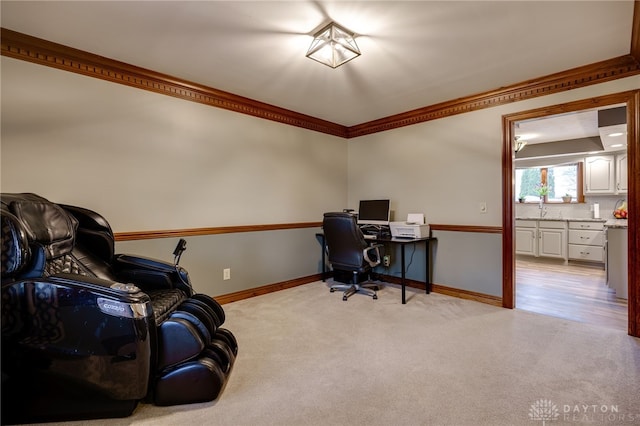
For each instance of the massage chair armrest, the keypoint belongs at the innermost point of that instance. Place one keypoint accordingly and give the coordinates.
(104, 287)
(151, 274)
(93, 333)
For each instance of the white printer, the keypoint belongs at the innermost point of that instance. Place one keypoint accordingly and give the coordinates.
(414, 227)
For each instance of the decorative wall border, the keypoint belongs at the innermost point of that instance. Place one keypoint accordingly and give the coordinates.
(600, 72)
(467, 228)
(194, 232)
(435, 288)
(32, 49)
(265, 289)
(25, 47)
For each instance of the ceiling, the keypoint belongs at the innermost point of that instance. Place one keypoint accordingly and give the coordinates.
(575, 126)
(414, 53)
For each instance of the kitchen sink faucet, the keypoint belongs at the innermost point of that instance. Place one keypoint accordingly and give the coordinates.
(543, 210)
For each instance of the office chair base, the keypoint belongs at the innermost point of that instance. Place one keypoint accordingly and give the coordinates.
(350, 289)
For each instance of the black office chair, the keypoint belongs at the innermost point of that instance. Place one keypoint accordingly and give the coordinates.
(349, 251)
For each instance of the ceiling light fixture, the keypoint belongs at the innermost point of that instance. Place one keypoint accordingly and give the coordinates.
(333, 45)
(520, 143)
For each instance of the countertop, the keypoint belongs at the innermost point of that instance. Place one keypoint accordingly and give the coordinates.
(616, 223)
(609, 223)
(565, 219)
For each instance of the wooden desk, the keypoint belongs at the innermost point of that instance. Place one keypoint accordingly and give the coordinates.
(403, 243)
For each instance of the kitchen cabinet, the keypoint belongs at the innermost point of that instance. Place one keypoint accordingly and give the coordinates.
(552, 239)
(600, 175)
(587, 241)
(617, 265)
(526, 237)
(621, 173)
(541, 238)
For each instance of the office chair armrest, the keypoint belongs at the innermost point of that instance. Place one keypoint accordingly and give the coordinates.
(374, 250)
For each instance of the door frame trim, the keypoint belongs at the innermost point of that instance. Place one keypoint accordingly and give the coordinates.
(632, 101)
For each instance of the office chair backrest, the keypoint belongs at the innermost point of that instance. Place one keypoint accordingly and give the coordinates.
(344, 240)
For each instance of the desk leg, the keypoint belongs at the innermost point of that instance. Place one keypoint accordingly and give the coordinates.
(427, 278)
(323, 248)
(404, 300)
(324, 265)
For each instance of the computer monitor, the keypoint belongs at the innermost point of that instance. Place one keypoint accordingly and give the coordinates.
(374, 212)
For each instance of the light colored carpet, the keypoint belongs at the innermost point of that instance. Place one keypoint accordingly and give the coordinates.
(308, 358)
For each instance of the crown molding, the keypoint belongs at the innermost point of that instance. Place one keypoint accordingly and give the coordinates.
(635, 32)
(600, 72)
(32, 49)
(25, 47)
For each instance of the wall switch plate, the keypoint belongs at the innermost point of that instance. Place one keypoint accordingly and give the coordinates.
(386, 260)
(483, 207)
(226, 274)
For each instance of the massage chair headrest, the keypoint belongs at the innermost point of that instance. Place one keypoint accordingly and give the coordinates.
(45, 223)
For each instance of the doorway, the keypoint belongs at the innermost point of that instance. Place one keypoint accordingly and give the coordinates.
(551, 278)
(631, 99)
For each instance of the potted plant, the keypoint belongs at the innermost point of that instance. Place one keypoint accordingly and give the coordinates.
(521, 198)
(542, 190)
(566, 198)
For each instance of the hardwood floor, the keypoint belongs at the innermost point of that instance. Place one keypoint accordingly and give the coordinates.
(572, 291)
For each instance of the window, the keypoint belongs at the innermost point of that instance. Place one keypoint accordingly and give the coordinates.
(561, 180)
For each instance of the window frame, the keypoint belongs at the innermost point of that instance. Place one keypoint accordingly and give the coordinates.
(544, 172)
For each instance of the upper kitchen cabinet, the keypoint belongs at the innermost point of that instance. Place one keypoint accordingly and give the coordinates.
(621, 173)
(605, 174)
(599, 175)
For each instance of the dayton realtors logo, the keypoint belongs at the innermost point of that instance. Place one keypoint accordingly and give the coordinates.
(546, 411)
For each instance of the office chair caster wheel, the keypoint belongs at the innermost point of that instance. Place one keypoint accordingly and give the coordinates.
(375, 297)
(344, 298)
(332, 290)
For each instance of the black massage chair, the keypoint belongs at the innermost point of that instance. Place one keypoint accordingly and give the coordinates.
(89, 334)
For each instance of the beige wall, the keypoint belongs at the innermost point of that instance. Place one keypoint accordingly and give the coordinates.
(445, 168)
(151, 162)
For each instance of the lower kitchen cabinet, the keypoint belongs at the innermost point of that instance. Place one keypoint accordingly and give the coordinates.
(617, 262)
(552, 237)
(541, 238)
(587, 241)
(527, 237)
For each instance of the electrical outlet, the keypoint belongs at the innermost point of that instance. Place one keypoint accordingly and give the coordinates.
(483, 207)
(386, 260)
(226, 274)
